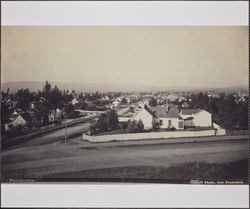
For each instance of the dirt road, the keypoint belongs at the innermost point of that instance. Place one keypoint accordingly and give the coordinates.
(59, 157)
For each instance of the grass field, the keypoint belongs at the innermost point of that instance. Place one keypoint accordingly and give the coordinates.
(237, 170)
(76, 160)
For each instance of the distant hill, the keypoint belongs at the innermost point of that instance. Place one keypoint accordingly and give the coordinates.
(78, 87)
(92, 87)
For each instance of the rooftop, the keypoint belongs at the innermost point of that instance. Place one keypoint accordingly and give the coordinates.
(190, 111)
(164, 112)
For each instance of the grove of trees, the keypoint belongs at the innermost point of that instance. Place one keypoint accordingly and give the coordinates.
(152, 102)
(107, 121)
(50, 98)
(225, 110)
(135, 126)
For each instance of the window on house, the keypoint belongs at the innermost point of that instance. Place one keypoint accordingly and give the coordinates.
(161, 122)
(181, 124)
(169, 123)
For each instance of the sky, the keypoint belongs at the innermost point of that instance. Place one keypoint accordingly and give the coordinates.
(180, 56)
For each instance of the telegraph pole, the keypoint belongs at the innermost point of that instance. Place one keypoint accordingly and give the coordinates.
(65, 134)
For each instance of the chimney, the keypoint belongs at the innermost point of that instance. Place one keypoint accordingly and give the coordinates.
(166, 105)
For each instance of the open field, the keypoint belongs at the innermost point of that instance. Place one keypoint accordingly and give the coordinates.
(76, 159)
(182, 172)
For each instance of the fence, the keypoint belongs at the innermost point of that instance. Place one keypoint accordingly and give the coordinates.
(6, 141)
(152, 135)
(237, 132)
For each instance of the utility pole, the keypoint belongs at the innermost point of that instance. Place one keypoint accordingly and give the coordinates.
(65, 135)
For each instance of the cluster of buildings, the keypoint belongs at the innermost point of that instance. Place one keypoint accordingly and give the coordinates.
(17, 119)
(24, 119)
(170, 117)
(167, 114)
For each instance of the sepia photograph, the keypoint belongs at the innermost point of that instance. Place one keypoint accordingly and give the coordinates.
(143, 104)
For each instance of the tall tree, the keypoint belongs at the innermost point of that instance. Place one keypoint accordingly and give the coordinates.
(47, 90)
(152, 102)
(112, 118)
(102, 123)
(6, 109)
(55, 98)
(23, 98)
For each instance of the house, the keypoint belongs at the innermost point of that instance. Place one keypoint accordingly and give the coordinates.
(212, 94)
(105, 98)
(124, 119)
(168, 116)
(146, 115)
(141, 104)
(74, 101)
(128, 99)
(242, 99)
(174, 97)
(55, 115)
(115, 103)
(18, 120)
(185, 105)
(196, 118)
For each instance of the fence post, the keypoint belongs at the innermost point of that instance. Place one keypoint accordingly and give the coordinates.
(65, 134)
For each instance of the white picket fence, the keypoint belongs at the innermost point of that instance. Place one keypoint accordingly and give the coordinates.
(152, 135)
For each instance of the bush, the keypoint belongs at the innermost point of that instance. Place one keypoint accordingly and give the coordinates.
(106, 122)
(135, 126)
(140, 125)
(132, 126)
(156, 124)
(73, 114)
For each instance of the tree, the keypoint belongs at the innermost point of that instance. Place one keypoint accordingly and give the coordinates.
(107, 121)
(112, 118)
(69, 108)
(156, 124)
(6, 109)
(152, 102)
(140, 126)
(42, 111)
(23, 98)
(93, 129)
(102, 123)
(135, 126)
(46, 90)
(67, 97)
(55, 98)
(124, 101)
(132, 126)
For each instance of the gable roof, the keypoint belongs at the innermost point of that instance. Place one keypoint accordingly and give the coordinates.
(185, 104)
(173, 112)
(150, 111)
(26, 116)
(190, 111)
(147, 110)
(163, 112)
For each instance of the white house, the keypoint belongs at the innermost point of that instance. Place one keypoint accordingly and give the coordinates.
(141, 104)
(168, 116)
(18, 120)
(146, 116)
(115, 103)
(196, 118)
(185, 105)
(55, 115)
(74, 101)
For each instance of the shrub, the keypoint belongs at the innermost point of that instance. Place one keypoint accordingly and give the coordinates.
(135, 126)
(140, 125)
(156, 124)
(73, 114)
